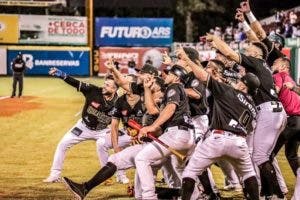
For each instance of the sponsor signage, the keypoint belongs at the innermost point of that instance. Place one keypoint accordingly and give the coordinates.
(36, 3)
(38, 62)
(9, 31)
(45, 29)
(122, 55)
(133, 31)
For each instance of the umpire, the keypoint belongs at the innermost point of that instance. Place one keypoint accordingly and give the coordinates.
(18, 67)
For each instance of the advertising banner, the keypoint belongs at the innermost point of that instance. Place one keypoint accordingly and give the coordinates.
(46, 29)
(133, 31)
(38, 62)
(9, 30)
(3, 65)
(123, 55)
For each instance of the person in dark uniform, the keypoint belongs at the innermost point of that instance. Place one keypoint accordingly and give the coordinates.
(123, 159)
(233, 116)
(93, 125)
(271, 118)
(18, 67)
(175, 122)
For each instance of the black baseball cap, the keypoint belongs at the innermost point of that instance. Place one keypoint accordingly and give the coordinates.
(149, 69)
(251, 81)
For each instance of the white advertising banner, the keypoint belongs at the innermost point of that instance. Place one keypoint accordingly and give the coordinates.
(3, 67)
(41, 29)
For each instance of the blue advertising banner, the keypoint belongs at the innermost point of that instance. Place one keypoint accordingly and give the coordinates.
(134, 31)
(38, 62)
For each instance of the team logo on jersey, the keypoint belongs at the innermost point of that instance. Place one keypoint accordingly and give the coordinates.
(95, 104)
(195, 83)
(171, 93)
(124, 112)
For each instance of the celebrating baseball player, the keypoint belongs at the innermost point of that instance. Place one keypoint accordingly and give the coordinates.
(96, 116)
(233, 115)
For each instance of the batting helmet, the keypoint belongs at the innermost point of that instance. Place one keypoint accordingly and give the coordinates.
(277, 38)
(180, 72)
(251, 81)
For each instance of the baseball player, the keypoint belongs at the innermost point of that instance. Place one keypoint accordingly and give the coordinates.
(18, 67)
(175, 122)
(96, 116)
(125, 158)
(271, 116)
(233, 115)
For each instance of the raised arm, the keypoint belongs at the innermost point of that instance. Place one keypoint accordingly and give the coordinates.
(223, 47)
(150, 105)
(254, 23)
(247, 29)
(118, 77)
(198, 70)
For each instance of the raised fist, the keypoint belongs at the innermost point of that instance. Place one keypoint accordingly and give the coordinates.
(245, 6)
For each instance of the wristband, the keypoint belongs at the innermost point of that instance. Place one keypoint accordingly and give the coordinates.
(251, 17)
(246, 26)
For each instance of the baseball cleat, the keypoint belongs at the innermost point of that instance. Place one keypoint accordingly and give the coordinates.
(77, 189)
(122, 179)
(52, 179)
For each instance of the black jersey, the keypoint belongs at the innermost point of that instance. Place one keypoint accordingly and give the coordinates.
(273, 52)
(175, 94)
(232, 110)
(122, 110)
(97, 111)
(197, 106)
(266, 91)
(18, 66)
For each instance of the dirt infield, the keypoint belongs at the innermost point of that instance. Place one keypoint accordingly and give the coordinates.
(12, 106)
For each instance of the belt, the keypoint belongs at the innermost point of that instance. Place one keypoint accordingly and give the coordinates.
(184, 128)
(274, 106)
(90, 127)
(221, 132)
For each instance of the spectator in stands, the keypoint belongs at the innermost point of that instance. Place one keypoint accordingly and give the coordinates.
(131, 66)
(296, 31)
(293, 18)
(288, 30)
(218, 31)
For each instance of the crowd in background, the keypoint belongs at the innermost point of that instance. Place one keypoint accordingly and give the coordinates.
(285, 23)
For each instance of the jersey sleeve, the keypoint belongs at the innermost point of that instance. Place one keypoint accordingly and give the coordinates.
(217, 88)
(80, 86)
(116, 111)
(136, 88)
(250, 63)
(173, 95)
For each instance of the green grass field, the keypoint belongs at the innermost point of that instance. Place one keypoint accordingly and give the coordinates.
(29, 138)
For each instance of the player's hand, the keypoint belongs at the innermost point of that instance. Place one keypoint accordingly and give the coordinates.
(148, 81)
(57, 73)
(180, 53)
(209, 37)
(239, 15)
(110, 64)
(288, 85)
(166, 59)
(245, 6)
(145, 130)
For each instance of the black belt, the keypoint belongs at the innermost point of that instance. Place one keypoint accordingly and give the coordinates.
(90, 127)
(180, 127)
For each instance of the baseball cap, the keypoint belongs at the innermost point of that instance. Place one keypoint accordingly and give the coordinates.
(149, 69)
